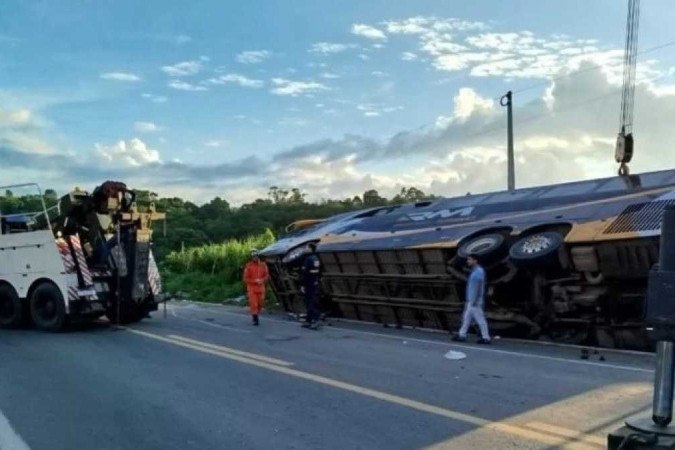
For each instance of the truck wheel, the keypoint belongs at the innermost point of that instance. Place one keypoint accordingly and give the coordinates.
(47, 308)
(537, 250)
(11, 308)
(490, 248)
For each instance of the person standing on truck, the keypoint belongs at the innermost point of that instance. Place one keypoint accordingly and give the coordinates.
(311, 269)
(255, 278)
(475, 302)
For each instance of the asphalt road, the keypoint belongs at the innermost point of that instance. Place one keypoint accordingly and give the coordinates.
(204, 378)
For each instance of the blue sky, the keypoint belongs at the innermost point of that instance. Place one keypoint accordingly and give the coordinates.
(224, 98)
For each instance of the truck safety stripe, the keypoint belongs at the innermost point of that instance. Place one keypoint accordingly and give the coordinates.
(81, 261)
(153, 276)
(66, 256)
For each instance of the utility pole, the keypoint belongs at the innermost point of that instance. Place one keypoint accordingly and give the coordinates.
(511, 177)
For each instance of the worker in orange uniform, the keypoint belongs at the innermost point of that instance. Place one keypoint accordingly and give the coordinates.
(255, 277)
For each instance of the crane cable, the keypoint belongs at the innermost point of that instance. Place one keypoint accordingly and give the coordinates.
(625, 138)
(629, 66)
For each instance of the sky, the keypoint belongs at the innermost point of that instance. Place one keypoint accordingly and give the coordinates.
(223, 98)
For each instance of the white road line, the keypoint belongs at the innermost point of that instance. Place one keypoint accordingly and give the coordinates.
(9, 439)
(464, 347)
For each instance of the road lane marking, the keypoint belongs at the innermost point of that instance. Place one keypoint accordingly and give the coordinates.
(465, 347)
(10, 439)
(565, 432)
(222, 348)
(502, 427)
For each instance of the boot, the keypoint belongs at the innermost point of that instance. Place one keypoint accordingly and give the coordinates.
(255, 320)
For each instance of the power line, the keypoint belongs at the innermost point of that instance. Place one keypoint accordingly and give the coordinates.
(586, 70)
(491, 129)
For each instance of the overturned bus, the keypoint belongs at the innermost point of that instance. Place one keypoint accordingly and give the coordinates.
(566, 262)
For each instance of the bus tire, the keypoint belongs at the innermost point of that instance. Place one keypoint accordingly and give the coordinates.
(540, 250)
(490, 248)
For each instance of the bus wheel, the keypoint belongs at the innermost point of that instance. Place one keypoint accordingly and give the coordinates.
(540, 250)
(490, 248)
(47, 308)
(11, 308)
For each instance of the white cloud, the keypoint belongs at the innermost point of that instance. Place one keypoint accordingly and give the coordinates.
(185, 86)
(21, 131)
(213, 143)
(146, 127)
(121, 76)
(183, 39)
(425, 25)
(460, 45)
(253, 56)
(330, 76)
(155, 98)
(17, 118)
(295, 122)
(379, 74)
(128, 153)
(329, 47)
(233, 78)
(368, 32)
(467, 104)
(561, 139)
(376, 110)
(182, 69)
(295, 88)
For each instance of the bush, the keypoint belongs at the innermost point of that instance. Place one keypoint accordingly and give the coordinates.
(211, 272)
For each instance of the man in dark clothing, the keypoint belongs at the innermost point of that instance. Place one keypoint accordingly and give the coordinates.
(311, 268)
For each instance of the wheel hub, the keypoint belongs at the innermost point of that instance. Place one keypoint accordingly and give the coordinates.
(535, 244)
(481, 245)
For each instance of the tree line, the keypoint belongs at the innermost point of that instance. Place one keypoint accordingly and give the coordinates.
(189, 225)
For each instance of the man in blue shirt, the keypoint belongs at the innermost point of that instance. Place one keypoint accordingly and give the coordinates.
(475, 302)
(310, 272)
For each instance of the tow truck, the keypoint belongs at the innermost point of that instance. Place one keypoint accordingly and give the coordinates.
(85, 257)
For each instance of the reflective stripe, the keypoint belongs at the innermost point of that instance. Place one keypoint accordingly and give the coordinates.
(81, 261)
(153, 276)
(66, 256)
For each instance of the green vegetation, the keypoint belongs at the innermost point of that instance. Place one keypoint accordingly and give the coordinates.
(211, 272)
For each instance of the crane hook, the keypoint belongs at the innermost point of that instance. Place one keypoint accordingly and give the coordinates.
(623, 170)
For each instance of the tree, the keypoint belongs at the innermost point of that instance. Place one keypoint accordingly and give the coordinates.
(50, 194)
(372, 198)
(411, 194)
(277, 194)
(215, 208)
(297, 197)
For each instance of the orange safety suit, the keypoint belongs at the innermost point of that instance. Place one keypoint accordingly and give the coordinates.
(255, 277)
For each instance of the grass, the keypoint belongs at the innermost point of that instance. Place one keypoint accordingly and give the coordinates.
(212, 273)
